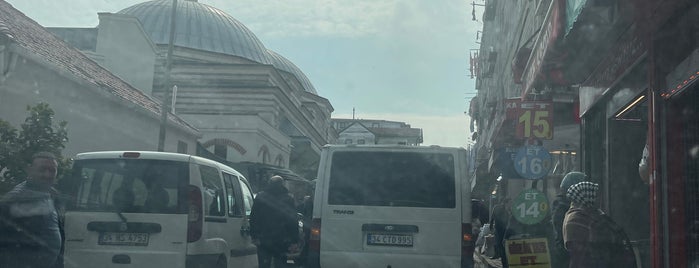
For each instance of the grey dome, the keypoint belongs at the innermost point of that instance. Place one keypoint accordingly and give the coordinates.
(283, 64)
(199, 26)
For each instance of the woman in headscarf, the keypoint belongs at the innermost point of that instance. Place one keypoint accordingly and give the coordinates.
(578, 228)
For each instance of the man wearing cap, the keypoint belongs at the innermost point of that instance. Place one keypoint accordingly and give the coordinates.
(561, 204)
(273, 225)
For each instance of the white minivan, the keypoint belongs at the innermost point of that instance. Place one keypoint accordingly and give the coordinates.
(391, 206)
(155, 209)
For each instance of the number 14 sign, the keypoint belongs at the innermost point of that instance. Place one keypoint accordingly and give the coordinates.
(534, 119)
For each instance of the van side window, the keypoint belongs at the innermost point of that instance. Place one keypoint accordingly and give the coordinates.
(247, 197)
(214, 201)
(235, 209)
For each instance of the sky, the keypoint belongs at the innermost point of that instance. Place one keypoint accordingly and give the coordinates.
(400, 60)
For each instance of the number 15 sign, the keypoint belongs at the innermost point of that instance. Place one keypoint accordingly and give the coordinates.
(534, 119)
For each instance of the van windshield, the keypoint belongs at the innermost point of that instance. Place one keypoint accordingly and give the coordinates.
(397, 179)
(129, 186)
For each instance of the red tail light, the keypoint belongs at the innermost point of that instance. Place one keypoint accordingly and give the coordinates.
(314, 239)
(313, 258)
(195, 217)
(467, 245)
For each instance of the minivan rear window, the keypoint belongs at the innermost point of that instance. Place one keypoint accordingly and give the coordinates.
(129, 185)
(397, 179)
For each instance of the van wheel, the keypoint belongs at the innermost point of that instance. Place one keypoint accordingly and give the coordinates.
(221, 262)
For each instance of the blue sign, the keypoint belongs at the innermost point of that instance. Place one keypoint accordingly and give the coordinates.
(505, 162)
(532, 162)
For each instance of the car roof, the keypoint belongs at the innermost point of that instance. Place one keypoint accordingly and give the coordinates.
(156, 156)
(389, 147)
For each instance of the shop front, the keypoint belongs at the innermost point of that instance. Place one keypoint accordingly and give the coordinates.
(614, 109)
(674, 154)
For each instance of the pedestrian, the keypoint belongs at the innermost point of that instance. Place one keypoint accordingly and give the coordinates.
(31, 225)
(501, 221)
(590, 236)
(273, 224)
(561, 204)
(306, 209)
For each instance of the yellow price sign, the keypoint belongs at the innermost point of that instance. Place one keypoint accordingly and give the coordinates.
(535, 120)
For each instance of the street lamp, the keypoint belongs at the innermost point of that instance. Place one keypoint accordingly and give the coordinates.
(165, 106)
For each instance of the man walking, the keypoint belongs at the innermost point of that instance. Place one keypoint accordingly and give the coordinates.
(273, 224)
(31, 231)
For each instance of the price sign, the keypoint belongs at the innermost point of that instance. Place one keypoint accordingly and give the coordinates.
(532, 162)
(528, 252)
(534, 120)
(530, 207)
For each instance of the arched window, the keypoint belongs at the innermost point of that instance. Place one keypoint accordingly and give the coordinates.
(221, 147)
(279, 161)
(263, 155)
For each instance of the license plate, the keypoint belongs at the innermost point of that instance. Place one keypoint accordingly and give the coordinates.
(123, 239)
(389, 240)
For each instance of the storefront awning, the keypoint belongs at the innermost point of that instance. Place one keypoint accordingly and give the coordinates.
(548, 35)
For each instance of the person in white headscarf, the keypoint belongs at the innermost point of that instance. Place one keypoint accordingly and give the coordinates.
(590, 236)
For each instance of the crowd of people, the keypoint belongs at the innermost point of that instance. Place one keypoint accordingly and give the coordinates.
(581, 235)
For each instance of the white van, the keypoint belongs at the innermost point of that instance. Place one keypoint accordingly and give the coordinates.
(391, 206)
(154, 209)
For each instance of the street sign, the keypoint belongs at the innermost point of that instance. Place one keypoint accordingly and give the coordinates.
(530, 252)
(532, 162)
(534, 119)
(505, 162)
(530, 207)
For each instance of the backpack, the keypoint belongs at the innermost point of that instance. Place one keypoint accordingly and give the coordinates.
(610, 236)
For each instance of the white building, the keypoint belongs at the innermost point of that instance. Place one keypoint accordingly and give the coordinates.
(367, 131)
(103, 112)
(250, 104)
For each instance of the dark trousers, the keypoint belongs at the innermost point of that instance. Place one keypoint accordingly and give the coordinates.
(267, 257)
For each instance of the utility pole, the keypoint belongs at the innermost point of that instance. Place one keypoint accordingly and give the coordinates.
(165, 106)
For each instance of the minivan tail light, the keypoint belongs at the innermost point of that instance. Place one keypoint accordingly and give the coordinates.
(467, 245)
(195, 222)
(313, 259)
(314, 238)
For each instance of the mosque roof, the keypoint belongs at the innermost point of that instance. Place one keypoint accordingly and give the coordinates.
(283, 64)
(207, 28)
(198, 26)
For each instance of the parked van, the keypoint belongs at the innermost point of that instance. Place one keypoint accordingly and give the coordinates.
(154, 209)
(391, 206)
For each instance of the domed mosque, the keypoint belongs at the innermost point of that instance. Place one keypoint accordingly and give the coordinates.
(250, 104)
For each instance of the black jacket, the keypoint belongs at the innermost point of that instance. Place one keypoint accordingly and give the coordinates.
(273, 219)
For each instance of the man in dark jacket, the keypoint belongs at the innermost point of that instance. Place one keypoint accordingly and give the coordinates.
(559, 255)
(273, 224)
(31, 229)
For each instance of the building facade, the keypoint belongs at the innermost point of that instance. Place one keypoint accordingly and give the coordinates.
(251, 104)
(626, 70)
(367, 131)
(103, 112)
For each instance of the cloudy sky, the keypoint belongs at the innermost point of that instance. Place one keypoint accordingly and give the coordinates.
(403, 60)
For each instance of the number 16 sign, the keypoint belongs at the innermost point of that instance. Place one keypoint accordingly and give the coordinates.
(532, 162)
